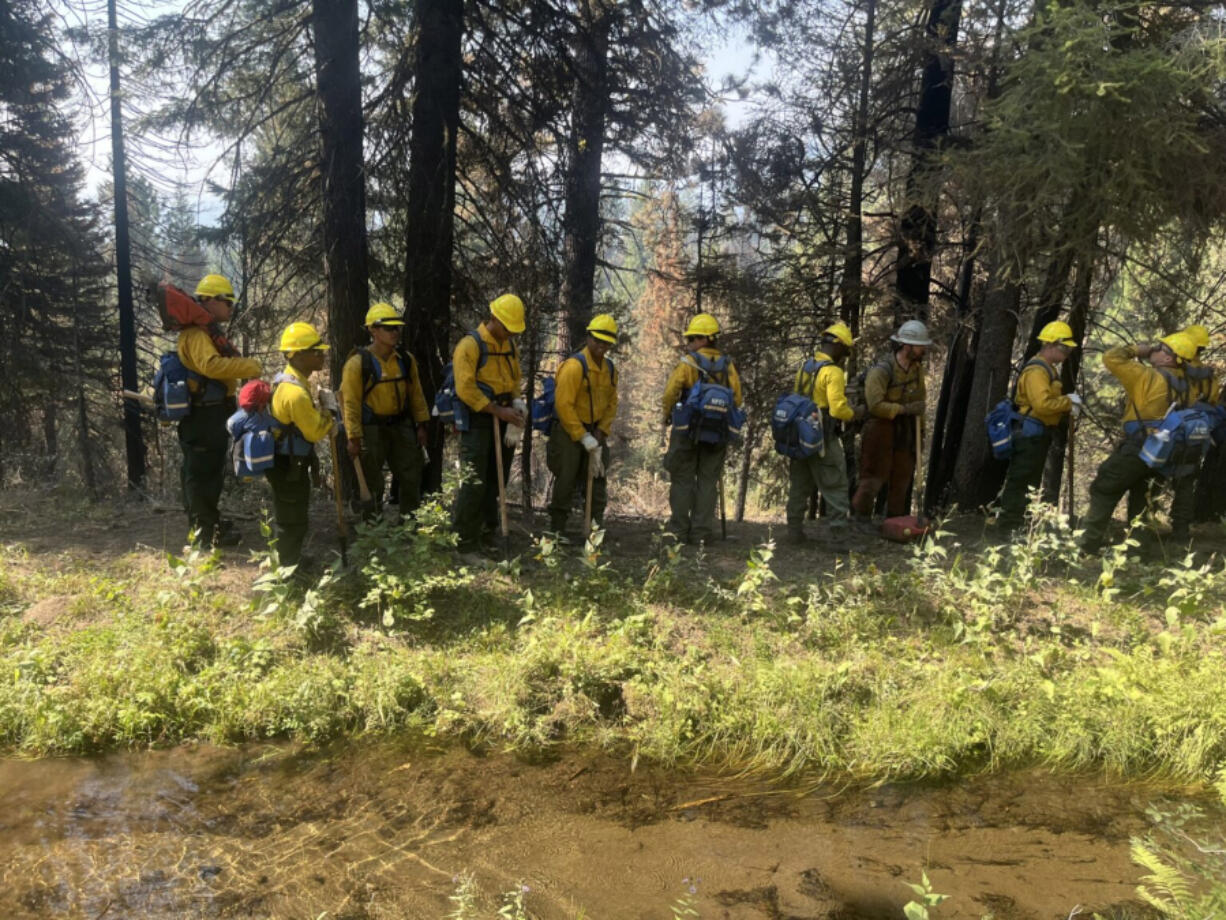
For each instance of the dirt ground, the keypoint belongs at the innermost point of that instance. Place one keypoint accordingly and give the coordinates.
(44, 524)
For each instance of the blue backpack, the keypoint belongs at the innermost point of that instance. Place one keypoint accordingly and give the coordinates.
(172, 395)
(449, 408)
(797, 433)
(1177, 445)
(1217, 421)
(1004, 421)
(544, 409)
(708, 413)
(259, 437)
(255, 443)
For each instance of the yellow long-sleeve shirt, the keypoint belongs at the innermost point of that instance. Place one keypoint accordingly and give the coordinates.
(887, 387)
(501, 372)
(827, 388)
(198, 353)
(686, 374)
(1040, 393)
(394, 394)
(1149, 393)
(581, 401)
(292, 404)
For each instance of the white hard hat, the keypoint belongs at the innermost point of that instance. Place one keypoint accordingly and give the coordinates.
(912, 332)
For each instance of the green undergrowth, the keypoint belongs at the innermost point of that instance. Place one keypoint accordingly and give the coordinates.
(949, 661)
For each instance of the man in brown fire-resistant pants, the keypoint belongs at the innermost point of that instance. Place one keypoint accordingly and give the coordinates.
(895, 395)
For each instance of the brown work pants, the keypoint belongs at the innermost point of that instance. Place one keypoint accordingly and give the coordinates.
(887, 456)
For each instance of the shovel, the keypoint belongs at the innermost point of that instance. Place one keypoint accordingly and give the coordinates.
(587, 501)
(342, 529)
(1072, 521)
(363, 488)
(905, 528)
(502, 491)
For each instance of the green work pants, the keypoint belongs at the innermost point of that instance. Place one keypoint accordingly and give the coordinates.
(1025, 473)
(694, 471)
(827, 473)
(205, 445)
(568, 461)
(1122, 470)
(1183, 505)
(396, 446)
(290, 479)
(476, 506)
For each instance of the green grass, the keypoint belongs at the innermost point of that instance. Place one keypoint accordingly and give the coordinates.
(947, 663)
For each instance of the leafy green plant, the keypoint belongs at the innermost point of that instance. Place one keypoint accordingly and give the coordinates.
(407, 566)
(1187, 874)
(919, 910)
(514, 906)
(465, 897)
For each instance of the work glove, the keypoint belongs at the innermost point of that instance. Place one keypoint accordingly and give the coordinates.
(513, 434)
(327, 402)
(914, 408)
(595, 456)
(1075, 399)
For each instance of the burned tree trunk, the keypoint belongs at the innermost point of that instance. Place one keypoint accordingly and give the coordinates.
(429, 236)
(918, 227)
(581, 222)
(339, 88)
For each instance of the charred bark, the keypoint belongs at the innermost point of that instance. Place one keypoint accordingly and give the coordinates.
(581, 221)
(918, 228)
(339, 89)
(430, 234)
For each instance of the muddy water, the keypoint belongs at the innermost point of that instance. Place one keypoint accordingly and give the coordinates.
(385, 832)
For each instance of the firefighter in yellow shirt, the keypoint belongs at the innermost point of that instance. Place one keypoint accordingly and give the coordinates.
(826, 471)
(385, 410)
(1037, 396)
(695, 465)
(585, 404)
(487, 379)
(301, 427)
(1151, 391)
(216, 368)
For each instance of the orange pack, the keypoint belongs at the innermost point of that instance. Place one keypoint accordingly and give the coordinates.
(177, 308)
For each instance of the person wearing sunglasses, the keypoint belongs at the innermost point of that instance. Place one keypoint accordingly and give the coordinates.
(215, 368)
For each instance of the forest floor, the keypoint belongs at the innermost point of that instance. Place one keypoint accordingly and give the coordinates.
(875, 659)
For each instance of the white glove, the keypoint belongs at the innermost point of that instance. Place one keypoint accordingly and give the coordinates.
(512, 434)
(1075, 399)
(1162, 435)
(595, 463)
(327, 401)
(589, 442)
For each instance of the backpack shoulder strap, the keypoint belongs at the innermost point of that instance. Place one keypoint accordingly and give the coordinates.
(482, 348)
(612, 370)
(372, 371)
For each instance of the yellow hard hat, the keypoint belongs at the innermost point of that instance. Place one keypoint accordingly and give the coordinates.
(215, 286)
(603, 327)
(1181, 344)
(300, 337)
(1058, 332)
(702, 324)
(508, 309)
(383, 314)
(1198, 334)
(839, 331)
